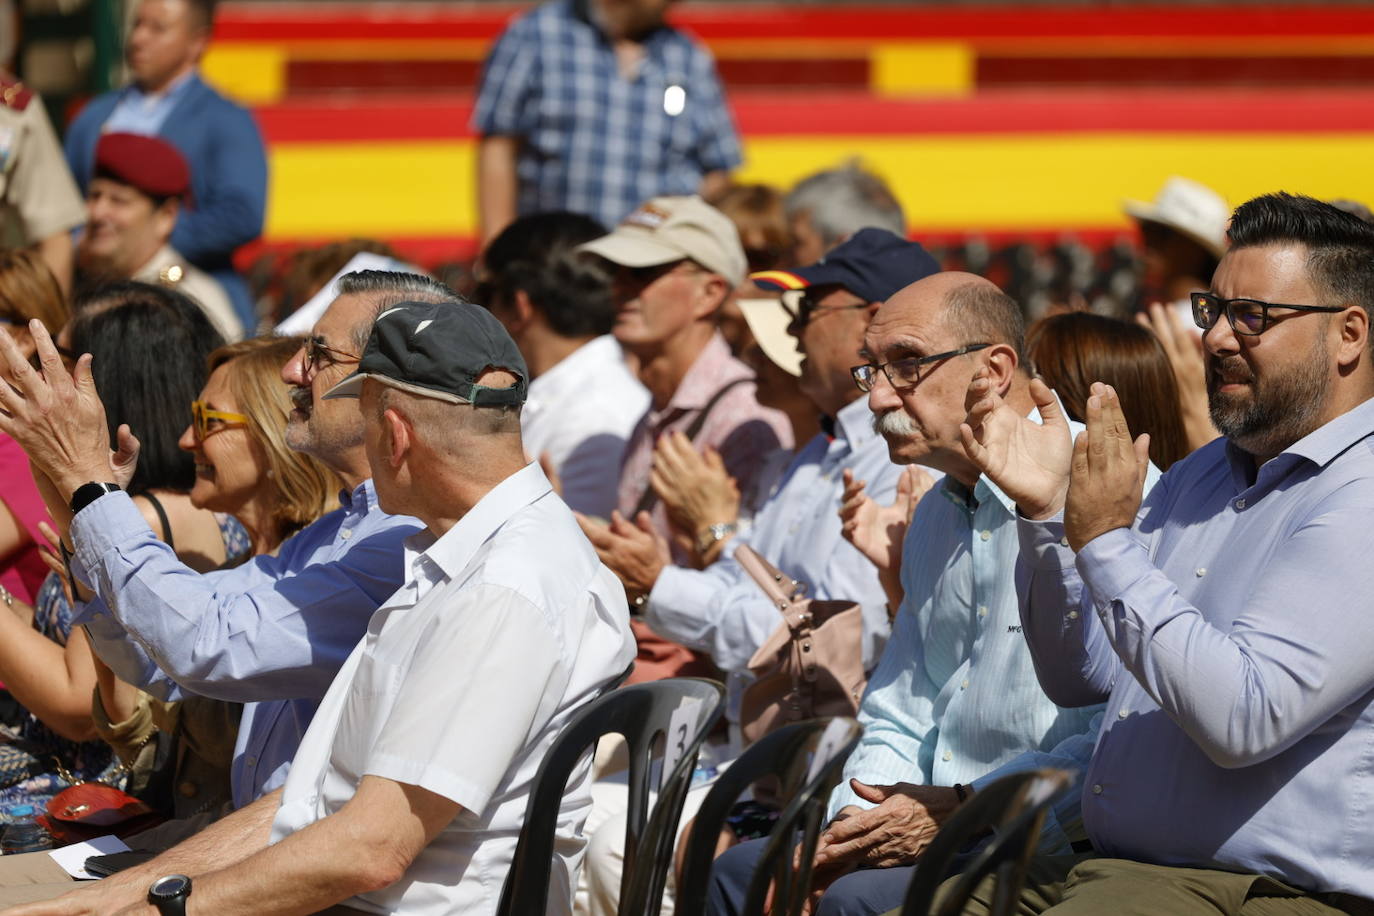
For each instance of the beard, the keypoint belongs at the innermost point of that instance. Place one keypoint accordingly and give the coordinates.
(1276, 411)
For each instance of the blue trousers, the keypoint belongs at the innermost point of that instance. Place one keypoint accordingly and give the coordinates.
(867, 892)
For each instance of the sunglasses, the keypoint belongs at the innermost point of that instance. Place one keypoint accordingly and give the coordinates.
(206, 421)
(906, 372)
(802, 307)
(1249, 317)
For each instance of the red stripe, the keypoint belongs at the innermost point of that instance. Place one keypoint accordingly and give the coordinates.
(284, 21)
(445, 117)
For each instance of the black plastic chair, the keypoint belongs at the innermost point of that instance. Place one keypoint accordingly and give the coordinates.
(785, 753)
(640, 713)
(1015, 808)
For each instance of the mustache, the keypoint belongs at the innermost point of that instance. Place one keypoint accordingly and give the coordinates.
(301, 399)
(1228, 369)
(894, 422)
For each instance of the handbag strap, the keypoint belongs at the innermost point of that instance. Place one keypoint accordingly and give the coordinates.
(769, 578)
(649, 497)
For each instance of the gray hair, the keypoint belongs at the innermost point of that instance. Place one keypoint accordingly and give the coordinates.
(388, 287)
(982, 313)
(840, 202)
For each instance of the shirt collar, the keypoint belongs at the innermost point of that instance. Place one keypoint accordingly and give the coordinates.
(174, 91)
(713, 368)
(1321, 446)
(854, 423)
(456, 547)
(362, 499)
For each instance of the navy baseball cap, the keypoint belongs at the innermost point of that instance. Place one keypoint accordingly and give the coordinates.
(439, 350)
(872, 264)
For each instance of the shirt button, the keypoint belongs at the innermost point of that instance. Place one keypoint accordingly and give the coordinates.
(964, 685)
(1097, 789)
(948, 756)
(1122, 714)
(1073, 615)
(1063, 542)
(1240, 503)
(1201, 571)
(986, 535)
(346, 533)
(982, 610)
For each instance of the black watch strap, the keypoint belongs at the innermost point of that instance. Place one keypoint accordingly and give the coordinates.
(169, 894)
(88, 493)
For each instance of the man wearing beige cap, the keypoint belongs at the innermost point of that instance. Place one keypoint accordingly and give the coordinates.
(677, 260)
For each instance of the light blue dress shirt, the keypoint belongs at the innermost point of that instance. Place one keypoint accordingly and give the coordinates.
(722, 611)
(1229, 631)
(955, 698)
(137, 112)
(270, 633)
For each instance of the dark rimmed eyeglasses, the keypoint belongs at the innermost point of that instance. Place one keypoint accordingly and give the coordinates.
(802, 306)
(1249, 317)
(206, 421)
(905, 372)
(319, 355)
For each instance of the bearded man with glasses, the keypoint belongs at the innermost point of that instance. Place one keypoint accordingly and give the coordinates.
(1226, 618)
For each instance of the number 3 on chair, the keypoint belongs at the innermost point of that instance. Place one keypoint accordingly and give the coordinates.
(681, 724)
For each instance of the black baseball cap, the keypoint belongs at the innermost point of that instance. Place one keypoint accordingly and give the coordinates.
(872, 264)
(439, 350)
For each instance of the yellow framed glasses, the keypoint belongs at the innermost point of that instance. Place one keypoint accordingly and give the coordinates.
(206, 421)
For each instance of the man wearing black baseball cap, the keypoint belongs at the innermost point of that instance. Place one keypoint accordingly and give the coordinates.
(409, 789)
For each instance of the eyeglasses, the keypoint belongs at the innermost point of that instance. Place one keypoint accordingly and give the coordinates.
(1247, 316)
(905, 372)
(802, 307)
(206, 421)
(319, 356)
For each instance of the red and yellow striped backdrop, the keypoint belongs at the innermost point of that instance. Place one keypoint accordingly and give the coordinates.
(1010, 120)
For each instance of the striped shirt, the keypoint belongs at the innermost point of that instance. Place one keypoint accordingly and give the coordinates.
(593, 141)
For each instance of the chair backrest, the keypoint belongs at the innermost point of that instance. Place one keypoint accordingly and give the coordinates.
(680, 709)
(788, 753)
(1015, 807)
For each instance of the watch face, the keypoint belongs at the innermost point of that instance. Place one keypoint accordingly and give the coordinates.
(169, 886)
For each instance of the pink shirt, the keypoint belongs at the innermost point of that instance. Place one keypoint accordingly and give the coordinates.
(23, 571)
(744, 433)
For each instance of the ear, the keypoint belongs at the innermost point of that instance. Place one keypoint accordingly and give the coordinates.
(1002, 364)
(1353, 325)
(397, 429)
(712, 292)
(165, 218)
(522, 311)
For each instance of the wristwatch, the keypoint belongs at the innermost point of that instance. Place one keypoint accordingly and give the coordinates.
(713, 533)
(169, 894)
(88, 493)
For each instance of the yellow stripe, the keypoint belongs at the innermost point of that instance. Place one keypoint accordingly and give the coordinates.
(780, 277)
(946, 183)
(923, 68)
(252, 74)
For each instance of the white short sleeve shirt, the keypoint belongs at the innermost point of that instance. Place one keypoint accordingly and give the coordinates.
(508, 624)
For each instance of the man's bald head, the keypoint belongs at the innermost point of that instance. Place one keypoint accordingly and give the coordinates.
(959, 308)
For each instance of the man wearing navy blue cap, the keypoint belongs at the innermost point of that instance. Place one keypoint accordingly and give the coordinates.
(720, 610)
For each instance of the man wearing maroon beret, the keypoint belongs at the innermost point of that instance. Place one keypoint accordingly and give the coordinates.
(138, 188)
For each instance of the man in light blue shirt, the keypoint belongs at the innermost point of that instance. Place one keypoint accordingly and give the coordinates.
(720, 610)
(273, 632)
(1227, 619)
(954, 700)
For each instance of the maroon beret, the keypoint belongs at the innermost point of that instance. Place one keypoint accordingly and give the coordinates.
(153, 166)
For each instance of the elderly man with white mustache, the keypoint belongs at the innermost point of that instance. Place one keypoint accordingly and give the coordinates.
(954, 702)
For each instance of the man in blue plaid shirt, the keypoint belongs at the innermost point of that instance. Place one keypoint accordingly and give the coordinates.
(595, 106)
